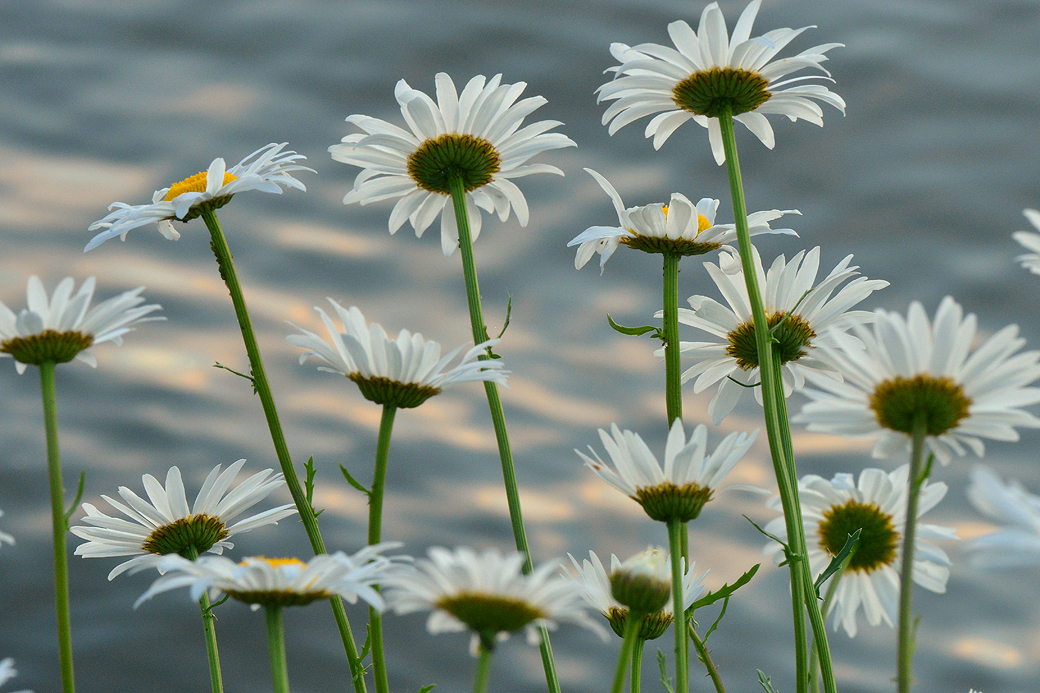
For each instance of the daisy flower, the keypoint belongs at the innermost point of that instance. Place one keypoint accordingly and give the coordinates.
(8, 672)
(678, 227)
(709, 73)
(267, 170)
(800, 314)
(688, 479)
(487, 594)
(475, 137)
(1031, 242)
(260, 581)
(876, 503)
(166, 525)
(65, 327)
(402, 372)
(908, 369)
(596, 589)
(1010, 504)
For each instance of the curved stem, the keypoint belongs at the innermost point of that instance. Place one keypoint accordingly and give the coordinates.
(670, 328)
(476, 318)
(263, 390)
(276, 644)
(59, 526)
(682, 659)
(375, 524)
(483, 674)
(705, 656)
(906, 576)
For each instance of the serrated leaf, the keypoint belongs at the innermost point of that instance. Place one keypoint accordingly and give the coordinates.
(353, 482)
(632, 331)
(765, 682)
(836, 562)
(725, 591)
(662, 663)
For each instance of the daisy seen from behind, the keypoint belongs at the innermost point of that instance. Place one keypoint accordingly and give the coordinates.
(1017, 543)
(1030, 241)
(678, 227)
(902, 370)
(802, 315)
(64, 327)
(267, 169)
(164, 524)
(474, 138)
(708, 73)
(402, 372)
(875, 503)
(688, 479)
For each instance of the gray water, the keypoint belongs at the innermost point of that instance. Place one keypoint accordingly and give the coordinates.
(924, 181)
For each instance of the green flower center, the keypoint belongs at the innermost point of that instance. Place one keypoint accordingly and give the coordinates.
(899, 401)
(721, 90)
(877, 542)
(200, 531)
(642, 594)
(667, 501)
(197, 183)
(437, 161)
(49, 346)
(653, 626)
(792, 334)
(279, 597)
(487, 614)
(391, 392)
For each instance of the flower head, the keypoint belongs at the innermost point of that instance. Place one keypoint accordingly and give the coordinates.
(801, 315)
(686, 482)
(404, 372)
(260, 581)
(876, 504)
(908, 370)
(679, 227)
(709, 73)
(474, 138)
(267, 170)
(1018, 542)
(596, 588)
(1031, 242)
(487, 594)
(66, 327)
(8, 672)
(167, 526)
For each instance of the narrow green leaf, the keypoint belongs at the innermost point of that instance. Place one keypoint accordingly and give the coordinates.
(747, 385)
(788, 554)
(427, 689)
(662, 663)
(722, 612)
(240, 375)
(765, 682)
(308, 484)
(354, 482)
(634, 331)
(77, 499)
(725, 591)
(836, 563)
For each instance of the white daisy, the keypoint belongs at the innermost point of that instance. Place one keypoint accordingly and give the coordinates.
(708, 72)
(8, 672)
(487, 594)
(267, 170)
(1031, 242)
(679, 227)
(261, 581)
(1010, 504)
(832, 510)
(597, 591)
(906, 368)
(475, 135)
(5, 538)
(688, 479)
(403, 372)
(803, 312)
(167, 526)
(66, 327)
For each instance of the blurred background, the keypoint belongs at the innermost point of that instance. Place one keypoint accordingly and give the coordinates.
(924, 181)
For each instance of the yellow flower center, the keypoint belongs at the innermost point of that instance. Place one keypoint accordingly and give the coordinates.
(278, 562)
(196, 183)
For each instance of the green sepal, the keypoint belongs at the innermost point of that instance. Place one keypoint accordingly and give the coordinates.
(662, 663)
(354, 482)
(76, 500)
(217, 364)
(725, 591)
(838, 561)
(636, 331)
(765, 682)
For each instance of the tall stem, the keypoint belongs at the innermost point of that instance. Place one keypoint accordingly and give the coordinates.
(375, 524)
(906, 577)
(276, 645)
(476, 318)
(778, 431)
(636, 671)
(209, 630)
(59, 526)
(673, 383)
(682, 658)
(483, 673)
(633, 621)
(263, 390)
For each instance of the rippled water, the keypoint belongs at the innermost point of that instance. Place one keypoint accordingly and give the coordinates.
(923, 181)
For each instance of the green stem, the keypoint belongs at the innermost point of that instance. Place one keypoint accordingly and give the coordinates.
(59, 526)
(276, 644)
(670, 328)
(828, 599)
(226, 267)
(682, 656)
(778, 432)
(705, 656)
(209, 631)
(476, 318)
(636, 675)
(375, 524)
(483, 674)
(633, 620)
(906, 577)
